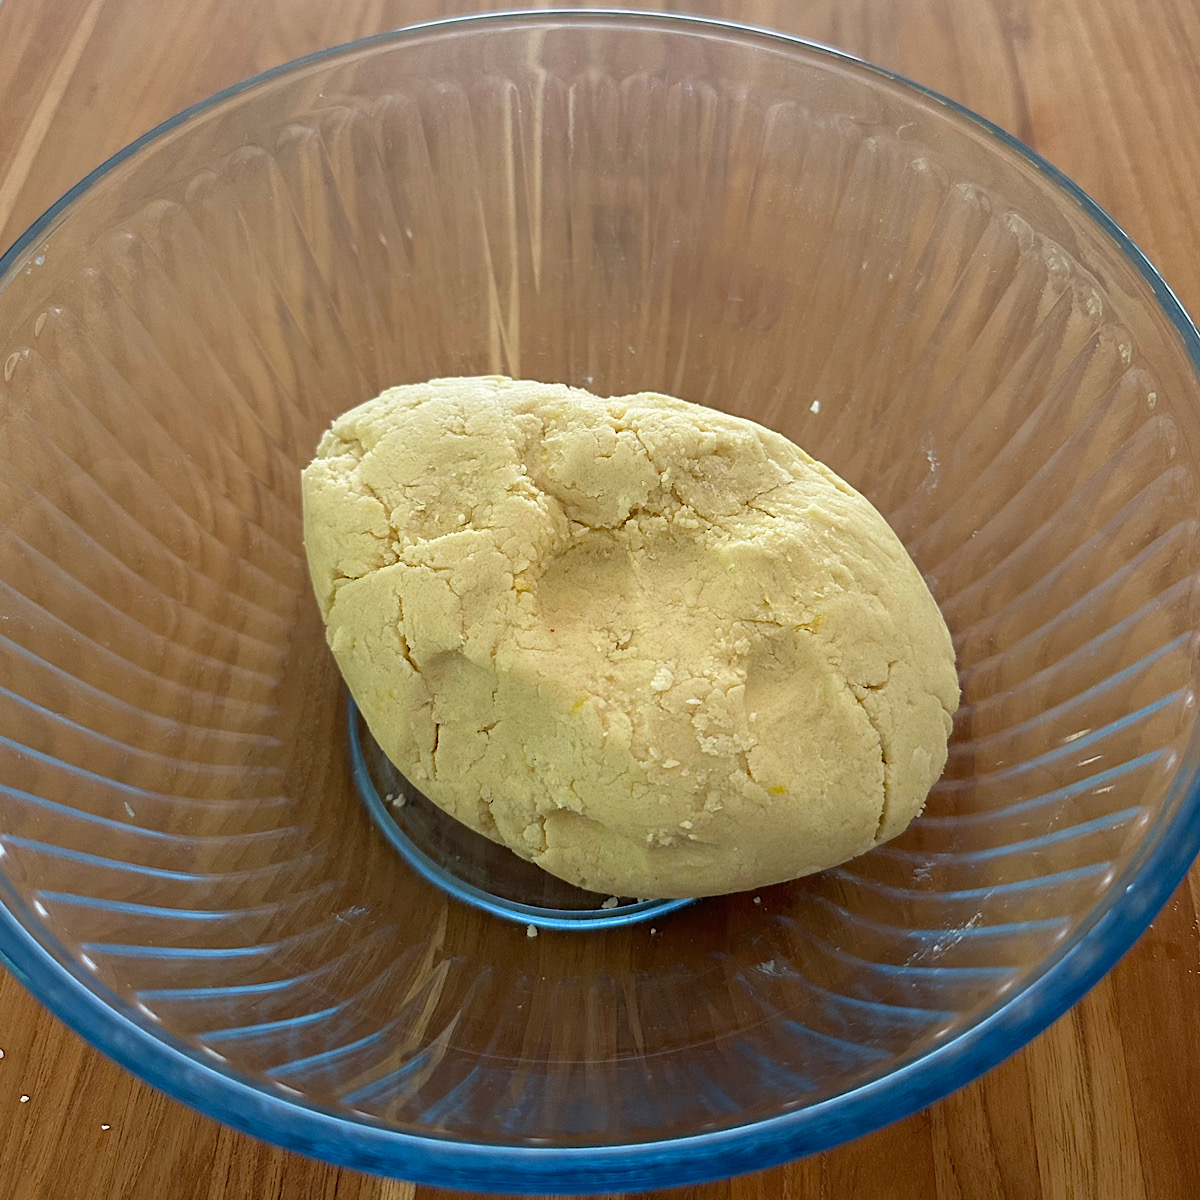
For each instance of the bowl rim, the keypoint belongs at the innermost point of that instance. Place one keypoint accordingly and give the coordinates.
(113, 1026)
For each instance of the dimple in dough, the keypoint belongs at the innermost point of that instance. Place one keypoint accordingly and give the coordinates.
(658, 650)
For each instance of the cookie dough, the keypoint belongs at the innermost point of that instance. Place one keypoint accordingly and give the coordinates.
(658, 650)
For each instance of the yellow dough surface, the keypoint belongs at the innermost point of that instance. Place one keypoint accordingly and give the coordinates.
(658, 650)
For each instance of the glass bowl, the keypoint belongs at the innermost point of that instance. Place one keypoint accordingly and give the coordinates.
(189, 874)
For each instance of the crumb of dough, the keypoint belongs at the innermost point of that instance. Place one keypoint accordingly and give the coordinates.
(611, 902)
(559, 613)
(531, 931)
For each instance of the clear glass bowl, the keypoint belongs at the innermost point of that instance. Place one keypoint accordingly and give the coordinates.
(189, 876)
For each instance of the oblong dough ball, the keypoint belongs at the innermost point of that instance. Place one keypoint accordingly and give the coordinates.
(658, 650)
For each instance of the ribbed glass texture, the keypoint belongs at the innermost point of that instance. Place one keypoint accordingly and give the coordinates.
(621, 203)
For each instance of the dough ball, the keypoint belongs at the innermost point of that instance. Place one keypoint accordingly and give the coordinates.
(658, 650)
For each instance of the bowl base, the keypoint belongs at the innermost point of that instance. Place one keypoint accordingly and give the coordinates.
(471, 867)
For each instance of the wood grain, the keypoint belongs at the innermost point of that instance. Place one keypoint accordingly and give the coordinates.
(1098, 1108)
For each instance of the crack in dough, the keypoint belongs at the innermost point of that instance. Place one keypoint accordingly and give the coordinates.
(656, 649)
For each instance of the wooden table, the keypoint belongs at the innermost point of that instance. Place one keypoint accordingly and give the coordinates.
(1097, 1108)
